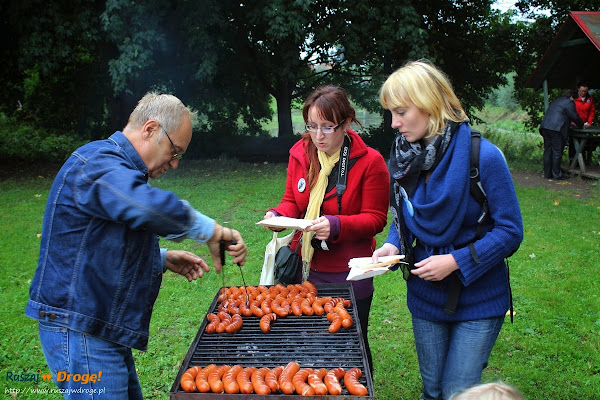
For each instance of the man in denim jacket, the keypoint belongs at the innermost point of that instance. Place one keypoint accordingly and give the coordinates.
(100, 265)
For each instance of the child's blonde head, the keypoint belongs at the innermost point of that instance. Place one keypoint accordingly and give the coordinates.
(489, 391)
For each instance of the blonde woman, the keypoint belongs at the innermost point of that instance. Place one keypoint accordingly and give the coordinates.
(457, 283)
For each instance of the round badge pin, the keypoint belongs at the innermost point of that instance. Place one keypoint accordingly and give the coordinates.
(301, 185)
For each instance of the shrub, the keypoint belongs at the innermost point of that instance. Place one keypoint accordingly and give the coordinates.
(19, 141)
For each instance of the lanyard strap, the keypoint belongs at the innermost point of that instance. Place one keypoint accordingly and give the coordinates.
(342, 173)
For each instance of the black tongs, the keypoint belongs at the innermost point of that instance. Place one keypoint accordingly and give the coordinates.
(222, 246)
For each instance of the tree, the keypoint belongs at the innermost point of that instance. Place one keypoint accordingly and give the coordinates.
(547, 16)
(474, 45)
(229, 59)
(52, 75)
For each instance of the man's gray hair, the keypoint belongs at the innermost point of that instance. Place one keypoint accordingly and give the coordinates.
(167, 109)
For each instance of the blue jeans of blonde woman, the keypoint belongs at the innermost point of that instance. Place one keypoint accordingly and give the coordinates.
(452, 355)
(87, 367)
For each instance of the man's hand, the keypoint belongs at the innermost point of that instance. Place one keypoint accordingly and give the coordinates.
(186, 263)
(237, 250)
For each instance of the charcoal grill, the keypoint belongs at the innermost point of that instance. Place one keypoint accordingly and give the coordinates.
(304, 339)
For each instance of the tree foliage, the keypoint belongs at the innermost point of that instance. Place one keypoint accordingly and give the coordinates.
(547, 17)
(82, 66)
(53, 74)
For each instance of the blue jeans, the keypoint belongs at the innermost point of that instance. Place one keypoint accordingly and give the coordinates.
(86, 367)
(452, 355)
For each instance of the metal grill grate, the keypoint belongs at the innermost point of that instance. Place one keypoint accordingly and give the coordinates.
(304, 339)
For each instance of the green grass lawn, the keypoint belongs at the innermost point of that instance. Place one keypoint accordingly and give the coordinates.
(551, 351)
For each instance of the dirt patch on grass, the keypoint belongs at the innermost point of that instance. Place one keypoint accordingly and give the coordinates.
(580, 187)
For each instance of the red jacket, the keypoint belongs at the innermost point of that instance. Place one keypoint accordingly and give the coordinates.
(364, 203)
(586, 109)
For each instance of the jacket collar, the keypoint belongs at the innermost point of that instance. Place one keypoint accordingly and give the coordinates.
(121, 141)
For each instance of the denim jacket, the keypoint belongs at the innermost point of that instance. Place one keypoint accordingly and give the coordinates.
(100, 265)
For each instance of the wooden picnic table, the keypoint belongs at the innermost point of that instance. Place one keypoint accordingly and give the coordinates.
(584, 140)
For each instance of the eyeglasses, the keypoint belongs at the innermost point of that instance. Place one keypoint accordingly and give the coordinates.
(176, 155)
(326, 130)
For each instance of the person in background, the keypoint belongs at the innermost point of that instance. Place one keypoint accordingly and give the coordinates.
(343, 226)
(584, 104)
(489, 391)
(457, 281)
(554, 128)
(100, 266)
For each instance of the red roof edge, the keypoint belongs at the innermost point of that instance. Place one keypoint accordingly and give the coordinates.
(580, 18)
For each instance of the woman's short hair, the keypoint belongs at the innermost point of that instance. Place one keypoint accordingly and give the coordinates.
(426, 86)
(167, 109)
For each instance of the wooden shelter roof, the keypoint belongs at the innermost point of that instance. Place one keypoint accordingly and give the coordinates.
(573, 55)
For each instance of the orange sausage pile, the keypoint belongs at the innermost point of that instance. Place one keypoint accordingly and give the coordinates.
(270, 303)
(263, 381)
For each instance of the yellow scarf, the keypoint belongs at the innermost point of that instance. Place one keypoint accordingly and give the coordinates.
(317, 193)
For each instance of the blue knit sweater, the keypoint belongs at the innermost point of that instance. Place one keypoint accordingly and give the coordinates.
(485, 293)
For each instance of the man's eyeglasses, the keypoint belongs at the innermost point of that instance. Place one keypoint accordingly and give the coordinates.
(176, 155)
(326, 130)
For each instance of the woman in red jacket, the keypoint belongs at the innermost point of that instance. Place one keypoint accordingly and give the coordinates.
(344, 225)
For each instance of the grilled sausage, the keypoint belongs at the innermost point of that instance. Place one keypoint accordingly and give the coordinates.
(214, 378)
(299, 382)
(265, 322)
(315, 380)
(352, 384)
(221, 326)
(243, 380)
(188, 378)
(345, 315)
(278, 308)
(328, 306)
(258, 381)
(224, 316)
(306, 307)
(296, 308)
(245, 310)
(283, 290)
(310, 286)
(317, 306)
(332, 381)
(256, 310)
(202, 378)
(285, 379)
(336, 322)
(235, 324)
(272, 377)
(230, 379)
(214, 320)
(265, 305)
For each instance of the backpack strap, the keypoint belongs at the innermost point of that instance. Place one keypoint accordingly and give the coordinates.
(475, 185)
(455, 285)
(479, 195)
